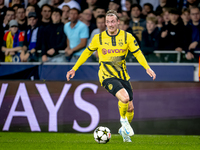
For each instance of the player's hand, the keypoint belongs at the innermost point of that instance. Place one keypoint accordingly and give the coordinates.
(151, 73)
(70, 74)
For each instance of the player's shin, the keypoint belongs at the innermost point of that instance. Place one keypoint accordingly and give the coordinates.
(123, 107)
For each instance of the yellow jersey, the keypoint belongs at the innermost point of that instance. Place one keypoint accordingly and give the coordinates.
(112, 51)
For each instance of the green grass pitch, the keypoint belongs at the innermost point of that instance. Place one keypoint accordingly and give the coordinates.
(76, 141)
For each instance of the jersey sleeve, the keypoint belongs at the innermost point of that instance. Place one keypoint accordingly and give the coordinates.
(94, 43)
(86, 53)
(135, 50)
(132, 44)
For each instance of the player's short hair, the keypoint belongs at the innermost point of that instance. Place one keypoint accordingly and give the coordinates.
(153, 19)
(125, 20)
(112, 13)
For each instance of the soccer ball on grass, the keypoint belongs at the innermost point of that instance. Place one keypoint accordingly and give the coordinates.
(102, 135)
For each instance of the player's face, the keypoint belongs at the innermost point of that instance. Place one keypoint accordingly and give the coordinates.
(112, 24)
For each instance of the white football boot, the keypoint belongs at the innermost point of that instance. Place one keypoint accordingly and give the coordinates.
(126, 126)
(125, 137)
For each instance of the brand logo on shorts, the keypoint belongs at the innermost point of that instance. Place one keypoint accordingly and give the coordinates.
(110, 86)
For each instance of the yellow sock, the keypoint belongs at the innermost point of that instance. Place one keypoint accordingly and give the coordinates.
(129, 116)
(123, 107)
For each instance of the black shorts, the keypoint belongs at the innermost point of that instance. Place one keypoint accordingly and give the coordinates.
(113, 85)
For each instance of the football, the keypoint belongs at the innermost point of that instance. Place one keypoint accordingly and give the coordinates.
(102, 135)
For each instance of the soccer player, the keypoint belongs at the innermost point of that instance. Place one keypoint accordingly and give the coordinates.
(112, 46)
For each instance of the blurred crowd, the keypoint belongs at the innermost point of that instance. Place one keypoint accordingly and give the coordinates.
(59, 30)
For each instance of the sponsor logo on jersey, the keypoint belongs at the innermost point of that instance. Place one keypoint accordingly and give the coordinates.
(106, 51)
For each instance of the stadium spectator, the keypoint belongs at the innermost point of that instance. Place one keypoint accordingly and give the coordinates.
(21, 18)
(194, 33)
(91, 4)
(77, 34)
(165, 15)
(150, 39)
(55, 3)
(185, 16)
(163, 3)
(46, 11)
(101, 26)
(37, 8)
(172, 35)
(28, 52)
(71, 4)
(128, 4)
(124, 25)
(65, 14)
(188, 4)
(13, 42)
(154, 3)
(160, 20)
(15, 7)
(3, 9)
(30, 8)
(86, 17)
(147, 8)
(14, 2)
(115, 5)
(136, 23)
(99, 11)
(10, 15)
(55, 39)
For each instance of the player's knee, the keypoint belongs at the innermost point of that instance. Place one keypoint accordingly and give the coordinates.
(125, 99)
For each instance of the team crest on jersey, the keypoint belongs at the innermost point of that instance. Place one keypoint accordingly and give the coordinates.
(120, 42)
(110, 86)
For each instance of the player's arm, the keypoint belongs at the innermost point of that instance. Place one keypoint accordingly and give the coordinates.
(135, 50)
